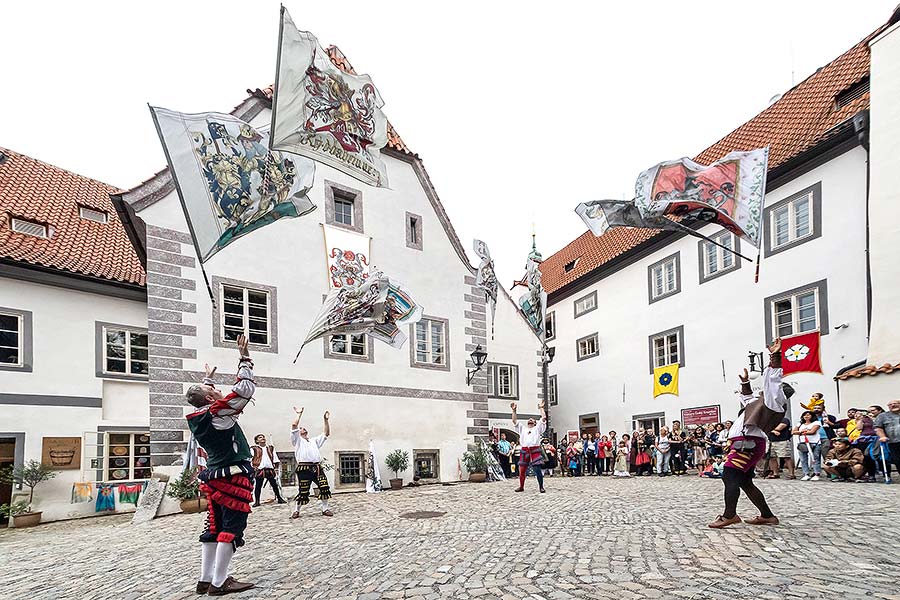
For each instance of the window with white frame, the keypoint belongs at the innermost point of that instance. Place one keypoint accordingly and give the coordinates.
(588, 346)
(343, 210)
(664, 279)
(796, 313)
(116, 456)
(351, 468)
(718, 259)
(791, 221)
(552, 391)
(92, 214)
(245, 311)
(125, 351)
(30, 228)
(11, 339)
(431, 342)
(550, 326)
(349, 344)
(667, 348)
(503, 380)
(585, 304)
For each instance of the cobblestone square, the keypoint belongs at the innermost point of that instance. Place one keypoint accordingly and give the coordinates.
(584, 538)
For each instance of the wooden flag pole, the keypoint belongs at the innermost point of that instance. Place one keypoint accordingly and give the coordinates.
(756, 277)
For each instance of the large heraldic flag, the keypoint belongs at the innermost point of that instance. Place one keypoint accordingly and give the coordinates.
(347, 256)
(729, 192)
(219, 164)
(801, 353)
(323, 113)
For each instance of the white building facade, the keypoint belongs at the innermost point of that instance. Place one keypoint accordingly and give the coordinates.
(619, 307)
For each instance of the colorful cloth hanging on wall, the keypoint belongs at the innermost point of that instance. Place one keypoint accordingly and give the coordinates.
(82, 491)
(106, 499)
(128, 494)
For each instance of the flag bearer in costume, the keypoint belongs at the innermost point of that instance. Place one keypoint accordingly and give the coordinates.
(309, 464)
(530, 453)
(747, 439)
(226, 478)
(265, 462)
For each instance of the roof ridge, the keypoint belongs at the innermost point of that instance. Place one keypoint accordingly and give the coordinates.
(58, 168)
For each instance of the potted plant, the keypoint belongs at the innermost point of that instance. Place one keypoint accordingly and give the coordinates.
(30, 474)
(476, 462)
(397, 461)
(187, 489)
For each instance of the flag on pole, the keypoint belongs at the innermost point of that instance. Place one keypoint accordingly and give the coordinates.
(486, 278)
(601, 215)
(665, 380)
(801, 353)
(533, 302)
(729, 192)
(373, 473)
(220, 166)
(323, 113)
(347, 256)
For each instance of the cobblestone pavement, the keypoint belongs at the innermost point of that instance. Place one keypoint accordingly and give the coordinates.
(584, 538)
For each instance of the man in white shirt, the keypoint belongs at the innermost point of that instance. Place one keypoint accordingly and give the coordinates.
(265, 463)
(530, 435)
(748, 442)
(309, 464)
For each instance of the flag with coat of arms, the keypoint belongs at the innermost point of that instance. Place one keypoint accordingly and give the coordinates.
(665, 380)
(800, 353)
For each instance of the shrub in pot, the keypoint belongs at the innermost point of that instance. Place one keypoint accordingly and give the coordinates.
(397, 461)
(476, 462)
(31, 474)
(187, 489)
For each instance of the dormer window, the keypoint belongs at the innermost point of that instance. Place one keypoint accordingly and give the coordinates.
(851, 93)
(91, 214)
(30, 228)
(570, 265)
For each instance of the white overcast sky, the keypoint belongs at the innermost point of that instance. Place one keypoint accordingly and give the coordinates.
(520, 110)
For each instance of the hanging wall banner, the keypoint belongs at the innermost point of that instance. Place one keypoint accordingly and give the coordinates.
(323, 113)
(220, 165)
(347, 256)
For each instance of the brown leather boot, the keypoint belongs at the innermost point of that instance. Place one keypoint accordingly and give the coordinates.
(721, 522)
(773, 520)
(229, 586)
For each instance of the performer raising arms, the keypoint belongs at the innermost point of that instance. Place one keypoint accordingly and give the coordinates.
(309, 464)
(530, 451)
(226, 478)
(748, 441)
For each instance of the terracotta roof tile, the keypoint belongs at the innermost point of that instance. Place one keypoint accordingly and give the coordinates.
(804, 116)
(869, 370)
(341, 62)
(35, 191)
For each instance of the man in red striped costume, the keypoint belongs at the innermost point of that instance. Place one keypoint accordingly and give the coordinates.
(226, 478)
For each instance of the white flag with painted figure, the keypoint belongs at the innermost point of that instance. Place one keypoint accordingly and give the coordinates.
(220, 165)
(347, 256)
(324, 113)
(373, 472)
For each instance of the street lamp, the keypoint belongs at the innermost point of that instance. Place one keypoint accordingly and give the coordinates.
(478, 357)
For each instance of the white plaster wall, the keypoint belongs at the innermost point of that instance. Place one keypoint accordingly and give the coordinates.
(723, 318)
(884, 198)
(514, 343)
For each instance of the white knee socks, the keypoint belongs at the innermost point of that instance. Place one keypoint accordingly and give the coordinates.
(224, 552)
(207, 561)
(324, 505)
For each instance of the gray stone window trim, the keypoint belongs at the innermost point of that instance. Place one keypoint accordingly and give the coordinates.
(596, 352)
(816, 223)
(437, 462)
(362, 454)
(677, 257)
(412, 346)
(584, 312)
(494, 383)
(26, 341)
(413, 228)
(218, 337)
(100, 342)
(701, 258)
(554, 386)
(822, 306)
(368, 358)
(551, 316)
(346, 193)
(680, 331)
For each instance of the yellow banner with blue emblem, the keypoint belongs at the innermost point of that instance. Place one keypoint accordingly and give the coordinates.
(665, 380)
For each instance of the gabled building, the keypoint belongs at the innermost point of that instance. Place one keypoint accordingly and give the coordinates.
(633, 299)
(73, 334)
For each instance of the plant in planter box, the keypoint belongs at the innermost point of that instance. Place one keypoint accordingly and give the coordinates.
(186, 489)
(476, 462)
(31, 474)
(397, 461)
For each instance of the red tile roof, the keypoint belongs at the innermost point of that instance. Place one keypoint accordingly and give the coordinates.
(802, 118)
(342, 63)
(869, 370)
(35, 191)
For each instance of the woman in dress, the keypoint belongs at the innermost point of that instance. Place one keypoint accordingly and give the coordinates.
(699, 442)
(621, 468)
